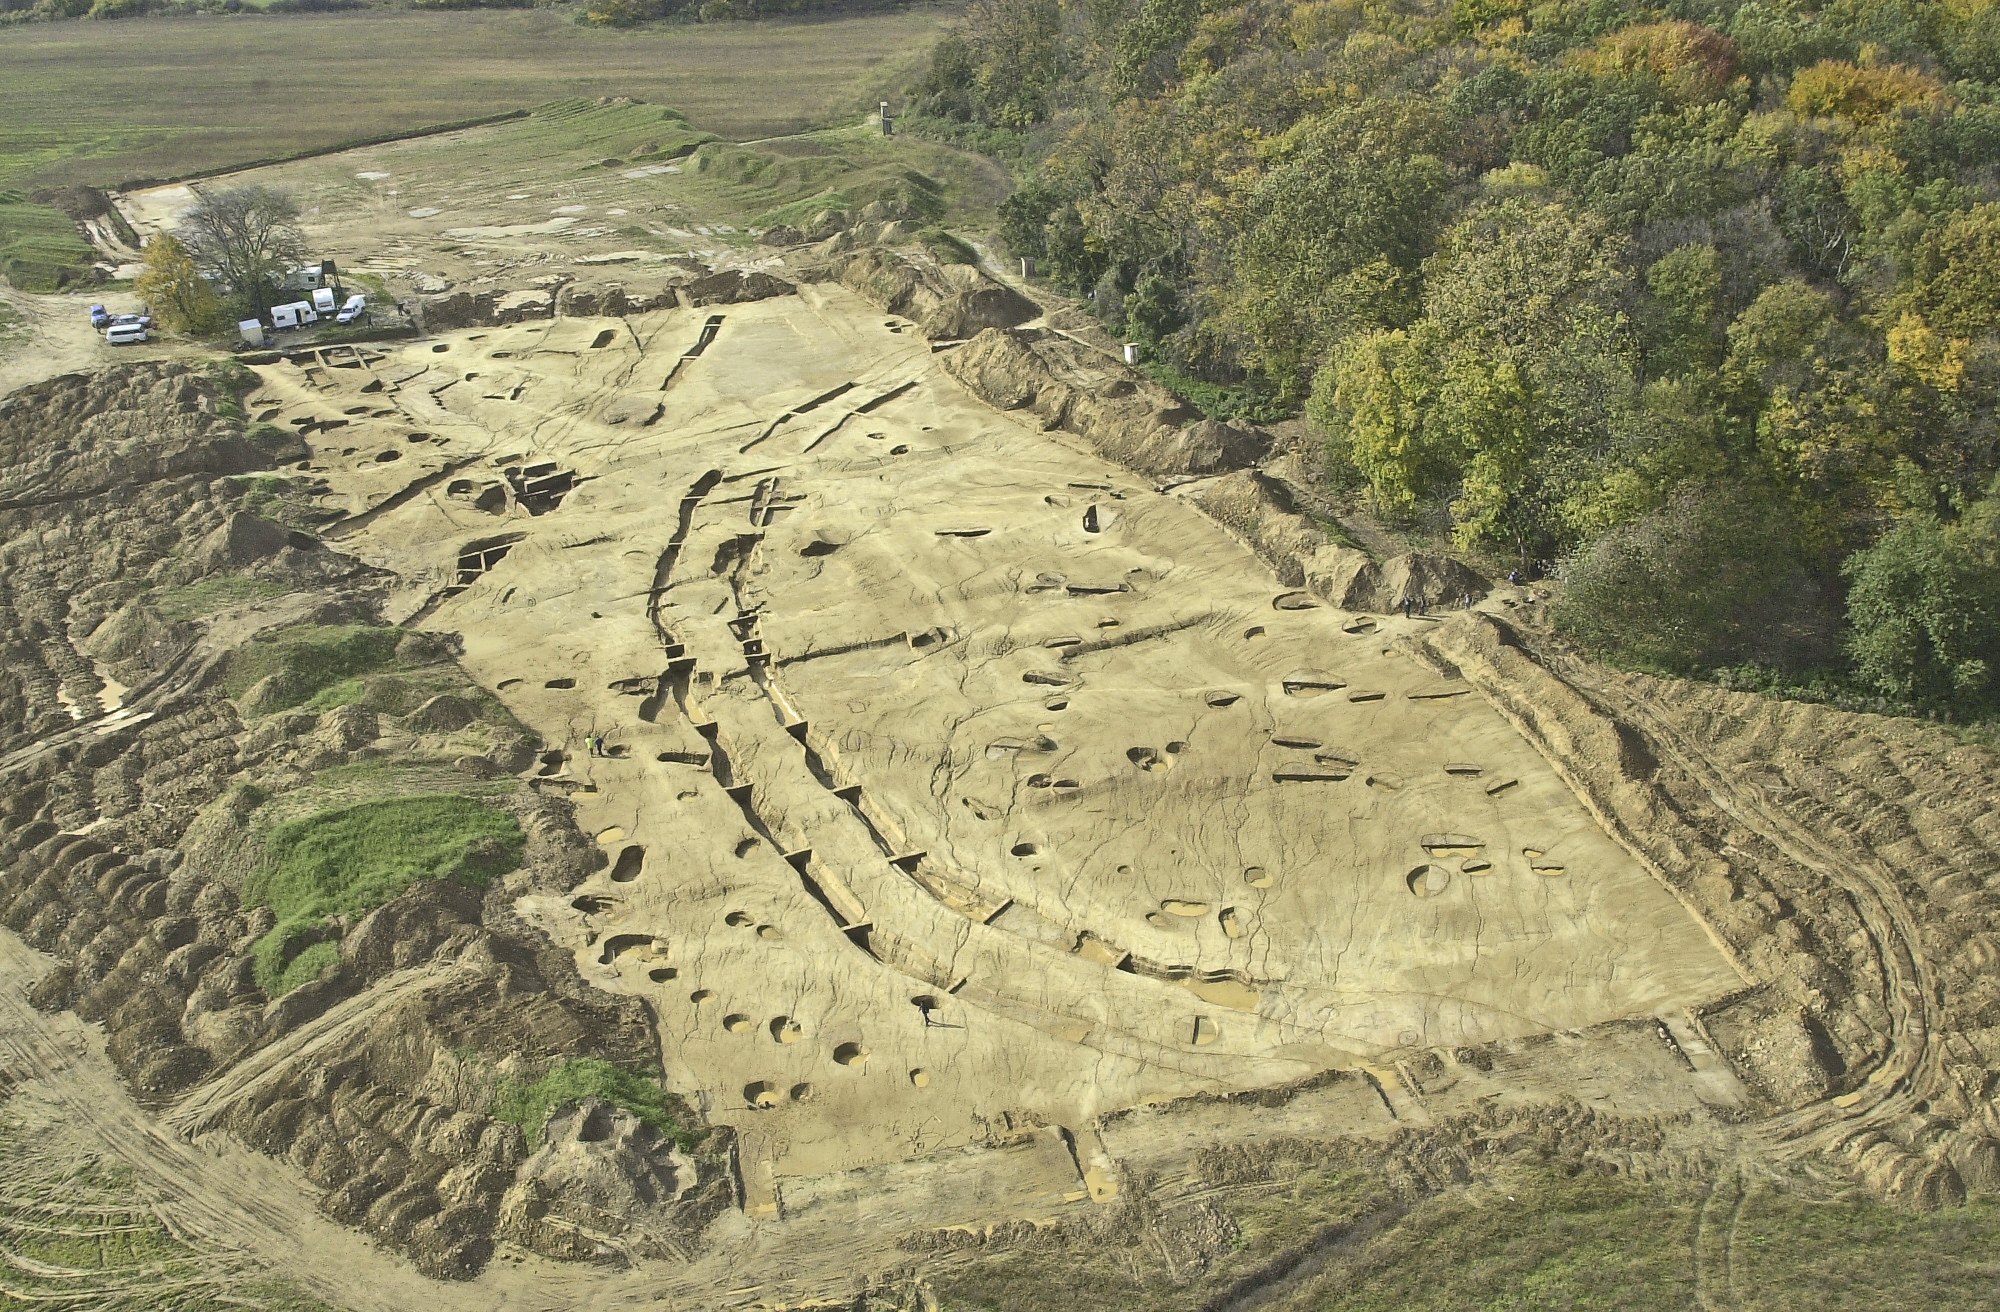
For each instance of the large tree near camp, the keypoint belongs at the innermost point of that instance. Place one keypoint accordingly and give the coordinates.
(246, 237)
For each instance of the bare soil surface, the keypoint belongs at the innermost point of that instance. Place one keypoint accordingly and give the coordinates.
(1003, 824)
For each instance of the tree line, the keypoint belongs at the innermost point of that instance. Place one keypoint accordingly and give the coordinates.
(1699, 302)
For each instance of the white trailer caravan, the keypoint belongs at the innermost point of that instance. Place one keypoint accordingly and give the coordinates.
(296, 315)
(323, 300)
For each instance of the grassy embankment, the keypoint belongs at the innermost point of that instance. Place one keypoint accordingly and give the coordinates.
(40, 249)
(103, 103)
(364, 833)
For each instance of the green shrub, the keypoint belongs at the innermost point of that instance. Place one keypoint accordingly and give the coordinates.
(352, 860)
(1253, 403)
(306, 967)
(529, 1105)
(345, 693)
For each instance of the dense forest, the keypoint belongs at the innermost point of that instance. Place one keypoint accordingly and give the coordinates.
(1697, 304)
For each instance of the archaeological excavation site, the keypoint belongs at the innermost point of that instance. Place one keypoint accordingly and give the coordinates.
(790, 775)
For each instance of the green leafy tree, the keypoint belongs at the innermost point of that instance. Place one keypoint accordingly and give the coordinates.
(1956, 282)
(1024, 217)
(1372, 400)
(1147, 46)
(1924, 605)
(1701, 581)
(1153, 309)
(1076, 259)
(1338, 229)
(247, 238)
(179, 296)
(1686, 284)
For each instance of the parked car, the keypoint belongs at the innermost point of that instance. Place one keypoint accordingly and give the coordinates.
(355, 307)
(100, 317)
(127, 320)
(126, 334)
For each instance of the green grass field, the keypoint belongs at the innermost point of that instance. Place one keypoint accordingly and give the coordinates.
(106, 102)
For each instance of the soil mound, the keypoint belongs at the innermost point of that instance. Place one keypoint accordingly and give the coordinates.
(1871, 830)
(589, 300)
(1121, 413)
(736, 287)
(1260, 511)
(950, 302)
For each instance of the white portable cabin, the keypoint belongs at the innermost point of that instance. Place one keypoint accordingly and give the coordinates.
(251, 331)
(323, 300)
(296, 315)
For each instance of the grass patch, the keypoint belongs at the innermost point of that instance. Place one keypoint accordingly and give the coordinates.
(309, 658)
(345, 693)
(790, 180)
(945, 248)
(797, 188)
(201, 93)
(40, 247)
(211, 595)
(529, 1105)
(347, 862)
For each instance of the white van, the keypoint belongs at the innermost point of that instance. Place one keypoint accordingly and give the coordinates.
(356, 306)
(125, 334)
(296, 315)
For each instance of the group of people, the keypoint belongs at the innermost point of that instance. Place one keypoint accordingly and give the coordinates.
(594, 745)
(1418, 604)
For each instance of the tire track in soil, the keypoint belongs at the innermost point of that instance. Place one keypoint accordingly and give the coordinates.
(1911, 1061)
(229, 1197)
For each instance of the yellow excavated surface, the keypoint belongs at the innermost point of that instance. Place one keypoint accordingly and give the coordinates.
(959, 781)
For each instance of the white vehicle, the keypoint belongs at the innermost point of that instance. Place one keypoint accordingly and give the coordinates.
(356, 306)
(296, 315)
(124, 334)
(323, 301)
